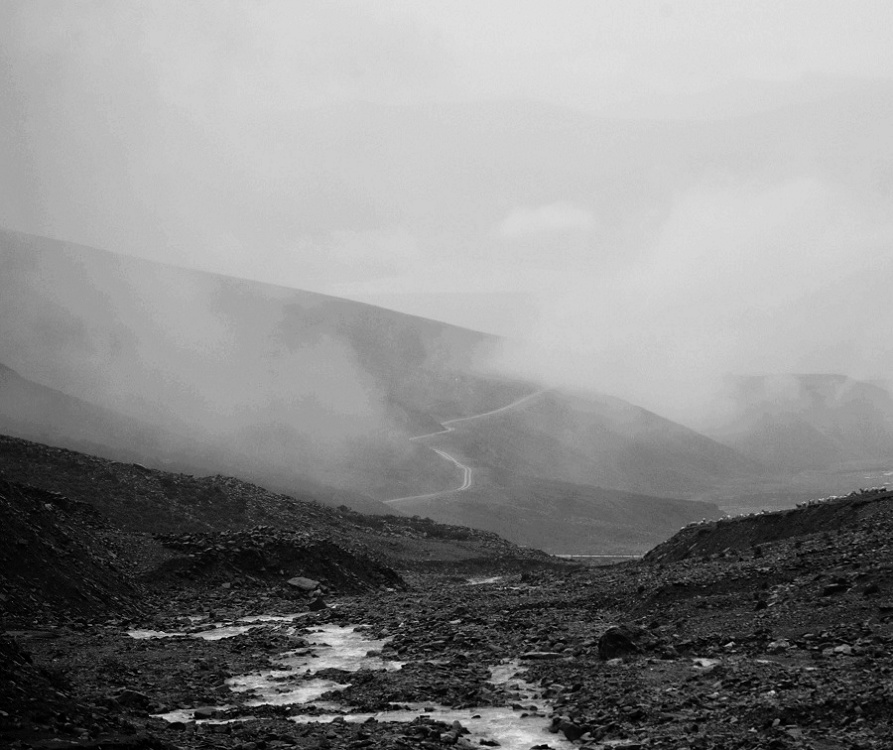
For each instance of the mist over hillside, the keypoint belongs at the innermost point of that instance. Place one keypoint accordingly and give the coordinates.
(600, 440)
(309, 394)
(329, 330)
(279, 384)
(631, 218)
(638, 245)
(798, 422)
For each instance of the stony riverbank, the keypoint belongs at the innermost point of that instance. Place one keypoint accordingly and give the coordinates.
(711, 669)
(747, 634)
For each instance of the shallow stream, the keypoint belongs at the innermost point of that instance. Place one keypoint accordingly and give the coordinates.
(346, 649)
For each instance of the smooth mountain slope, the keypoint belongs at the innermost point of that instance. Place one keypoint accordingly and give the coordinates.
(597, 440)
(560, 517)
(578, 474)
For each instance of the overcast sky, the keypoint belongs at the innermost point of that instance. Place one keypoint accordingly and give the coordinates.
(643, 181)
(589, 55)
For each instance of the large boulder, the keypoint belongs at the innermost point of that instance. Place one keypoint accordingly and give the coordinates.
(303, 584)
(622, 640)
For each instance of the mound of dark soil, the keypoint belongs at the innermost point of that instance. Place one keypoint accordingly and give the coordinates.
(83, 537)
(745, 533)
(139, 500)
(270, 555)
(59, 557)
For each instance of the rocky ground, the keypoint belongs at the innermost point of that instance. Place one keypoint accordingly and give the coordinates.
(764, 639)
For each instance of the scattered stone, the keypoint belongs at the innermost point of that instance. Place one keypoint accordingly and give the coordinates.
(834, 588)
(619, 641)
(303, 584)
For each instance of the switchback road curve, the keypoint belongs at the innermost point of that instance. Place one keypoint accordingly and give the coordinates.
(467, 471)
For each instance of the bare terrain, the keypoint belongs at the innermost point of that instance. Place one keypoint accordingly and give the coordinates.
(126, 630)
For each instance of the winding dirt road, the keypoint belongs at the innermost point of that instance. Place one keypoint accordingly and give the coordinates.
(467, 471)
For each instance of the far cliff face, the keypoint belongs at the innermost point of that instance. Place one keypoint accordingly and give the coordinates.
(808, 420)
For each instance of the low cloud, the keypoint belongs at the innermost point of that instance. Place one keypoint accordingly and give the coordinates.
(553, 218)
(740, 278)
(251, 377)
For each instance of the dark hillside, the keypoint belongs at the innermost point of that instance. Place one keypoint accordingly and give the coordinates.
(743, 534)
(145, 500)
(60, 556)
(151, 512)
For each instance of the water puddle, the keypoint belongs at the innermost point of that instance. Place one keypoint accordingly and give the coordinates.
(214, 634)
(143, 634)
(482, 581)
(216, 630)
(704, 663)
(189, 714)
(227, 631)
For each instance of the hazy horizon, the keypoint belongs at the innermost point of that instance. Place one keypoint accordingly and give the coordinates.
(656, 194)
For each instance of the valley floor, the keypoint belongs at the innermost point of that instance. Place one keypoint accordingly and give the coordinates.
(791, 647)
(127, 630)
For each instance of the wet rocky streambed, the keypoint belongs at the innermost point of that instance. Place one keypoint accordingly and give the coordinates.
(333, 672)
(632, 658)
